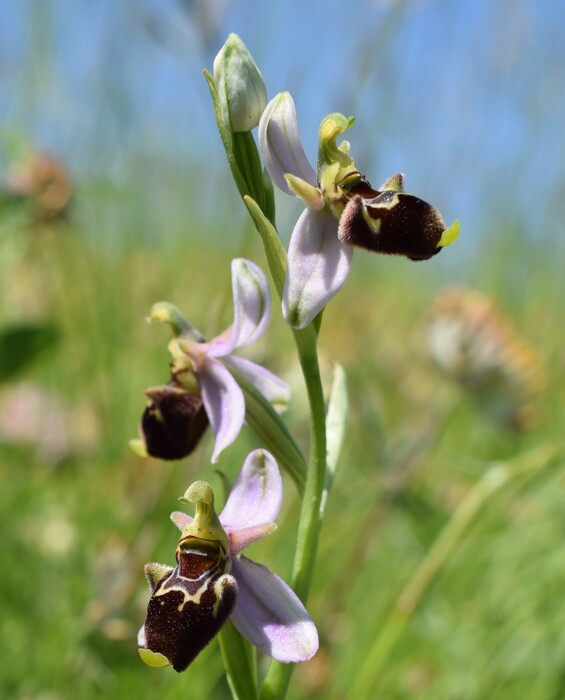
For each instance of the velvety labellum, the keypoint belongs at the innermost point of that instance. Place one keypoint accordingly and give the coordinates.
(393, 223)
(173, 423)
(191, 602)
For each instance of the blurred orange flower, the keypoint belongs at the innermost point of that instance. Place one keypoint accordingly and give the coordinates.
(44, 181)
(476, 345)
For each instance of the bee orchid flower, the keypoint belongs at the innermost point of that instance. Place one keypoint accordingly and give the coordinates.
(202, 388)
(342, 211)
(212, 581)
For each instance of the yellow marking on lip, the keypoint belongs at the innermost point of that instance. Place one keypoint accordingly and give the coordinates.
(197, 595)
(188, 597)
(393, 201)
(373, 224)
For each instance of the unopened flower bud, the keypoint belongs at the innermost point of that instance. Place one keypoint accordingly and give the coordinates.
(242, 93)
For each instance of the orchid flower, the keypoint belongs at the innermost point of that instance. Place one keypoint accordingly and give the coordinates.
(202, 388)
(342, 210)
(211, 582)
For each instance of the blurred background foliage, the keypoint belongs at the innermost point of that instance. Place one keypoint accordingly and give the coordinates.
(115, 194)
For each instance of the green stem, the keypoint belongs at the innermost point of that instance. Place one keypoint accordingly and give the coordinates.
(278, 677)
(309, 525)
(497, 479)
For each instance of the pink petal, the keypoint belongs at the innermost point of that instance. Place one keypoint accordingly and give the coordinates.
(270, 615)
(318, 265)
(180, 519)
(252, 308)
(279, 143)
(224, 403)
(256, 496)
(243, 537)
(272, 387)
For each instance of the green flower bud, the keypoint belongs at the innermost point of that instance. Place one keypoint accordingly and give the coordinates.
(242, 93)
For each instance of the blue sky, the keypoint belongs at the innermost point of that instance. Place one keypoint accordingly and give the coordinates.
(466, 97)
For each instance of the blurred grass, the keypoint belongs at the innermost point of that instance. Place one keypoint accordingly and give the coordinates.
(79, 522)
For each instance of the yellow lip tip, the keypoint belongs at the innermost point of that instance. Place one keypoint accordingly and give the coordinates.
(138, 447)
(450, 235)
(153, 658)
